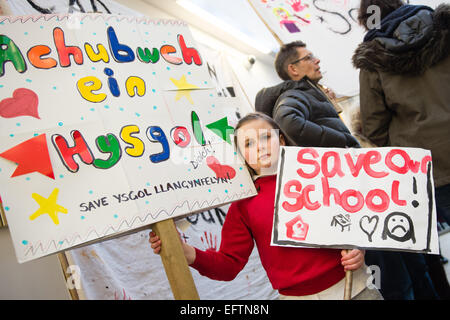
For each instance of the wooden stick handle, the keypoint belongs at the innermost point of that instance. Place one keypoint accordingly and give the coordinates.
(348, 284)
(64, 265)
(274, 34)
(175, 264)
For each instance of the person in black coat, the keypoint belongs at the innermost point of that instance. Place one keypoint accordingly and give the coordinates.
(302, 110)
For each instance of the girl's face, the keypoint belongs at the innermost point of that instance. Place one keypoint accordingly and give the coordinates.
(260, 144)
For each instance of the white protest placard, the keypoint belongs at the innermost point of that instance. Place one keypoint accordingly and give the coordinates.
(107, 124)
(379, 198)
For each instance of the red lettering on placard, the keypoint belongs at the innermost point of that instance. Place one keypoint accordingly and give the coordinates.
(67, 153)
(347, 206)
(327, 191)
(307, 201)
(391, 165)
(355, 169)
(424, 165)
(336, 169)
(64, 51)
(395, 198)
(314, 163)
(293, 195)
(383, 206)
(414, 166)
(373, 157)
(189, 54)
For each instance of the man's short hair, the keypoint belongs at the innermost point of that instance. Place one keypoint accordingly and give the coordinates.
(287, 54)
(386, 7)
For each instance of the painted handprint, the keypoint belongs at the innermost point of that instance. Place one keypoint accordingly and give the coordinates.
(297, 5)
(208, 241)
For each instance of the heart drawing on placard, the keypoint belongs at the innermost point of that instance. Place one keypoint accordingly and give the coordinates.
(368, 225)
(221, 171)
(24, 102)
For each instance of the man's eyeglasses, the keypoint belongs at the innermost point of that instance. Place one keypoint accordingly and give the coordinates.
(309, 57)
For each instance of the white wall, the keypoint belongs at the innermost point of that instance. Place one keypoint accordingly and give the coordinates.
(39, 279)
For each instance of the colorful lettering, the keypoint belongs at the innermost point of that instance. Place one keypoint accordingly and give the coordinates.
(180, 136)
(89, 84)
(108, 144)
(156, 134)
(135, 85)
(10, 52)
(145, 56)
(197, 128)
(112, 82)
(166, 50)
(101, 53)
(64, 51)
(189, 54)
(138, 146)
(35, 55)
(67, 153)
(120, 52)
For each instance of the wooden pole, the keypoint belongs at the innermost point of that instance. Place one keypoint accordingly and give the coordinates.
(175, 264)
(3, 222)
(65, 265)
(348, 284)
(334, 102)
(277, 38)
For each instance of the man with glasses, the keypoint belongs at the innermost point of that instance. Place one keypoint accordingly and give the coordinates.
(299, 106)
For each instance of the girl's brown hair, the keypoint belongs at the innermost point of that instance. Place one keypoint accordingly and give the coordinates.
(258, 116)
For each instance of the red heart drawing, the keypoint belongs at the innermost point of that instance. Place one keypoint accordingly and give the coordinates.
(221, 171)
(24, 102)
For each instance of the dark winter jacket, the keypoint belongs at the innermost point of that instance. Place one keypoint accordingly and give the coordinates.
(405, 83)
(305, 114)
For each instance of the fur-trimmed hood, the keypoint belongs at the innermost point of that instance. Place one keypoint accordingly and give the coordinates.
(418, 42)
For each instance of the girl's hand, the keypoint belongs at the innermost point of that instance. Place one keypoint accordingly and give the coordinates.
(189, 251)
(155, 243)
(352, 259)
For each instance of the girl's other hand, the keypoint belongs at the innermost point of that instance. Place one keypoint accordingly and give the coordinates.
(352, 259)
(189, 251)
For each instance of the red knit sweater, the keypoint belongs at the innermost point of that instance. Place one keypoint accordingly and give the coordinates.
(292, 271)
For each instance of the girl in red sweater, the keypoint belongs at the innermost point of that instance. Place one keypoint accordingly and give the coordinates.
(305, 273)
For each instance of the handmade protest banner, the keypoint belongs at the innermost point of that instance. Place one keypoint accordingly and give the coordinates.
(375, 198)
(107, 124)
(336, 23)
(330, 29)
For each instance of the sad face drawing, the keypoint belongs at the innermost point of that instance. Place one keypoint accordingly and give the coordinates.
(398, 226)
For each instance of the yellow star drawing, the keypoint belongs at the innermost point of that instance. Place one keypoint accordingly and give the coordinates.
(48, 206)
(184, 88)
